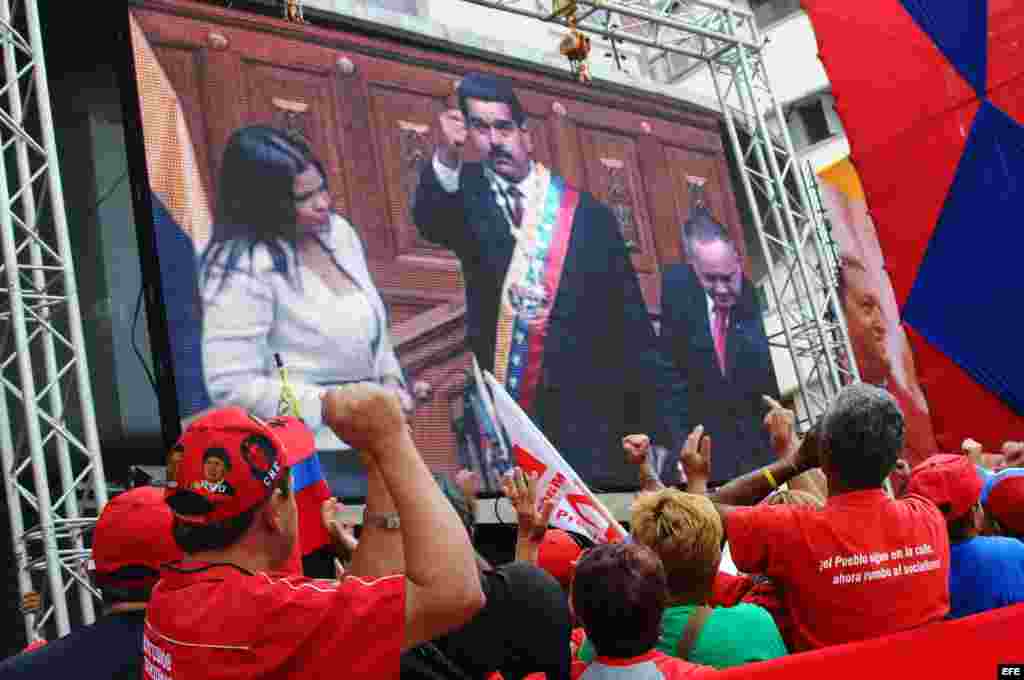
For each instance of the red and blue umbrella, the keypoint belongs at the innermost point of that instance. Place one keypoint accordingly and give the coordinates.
(931, 93)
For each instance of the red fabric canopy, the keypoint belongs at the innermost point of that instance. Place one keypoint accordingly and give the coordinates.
(907, 87)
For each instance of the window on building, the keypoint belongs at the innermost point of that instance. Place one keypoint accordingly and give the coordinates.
(770, 11)
(814, 118)
(410, 7)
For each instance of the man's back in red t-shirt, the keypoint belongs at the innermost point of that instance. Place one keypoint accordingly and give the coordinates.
(864, 566)
(220, 622)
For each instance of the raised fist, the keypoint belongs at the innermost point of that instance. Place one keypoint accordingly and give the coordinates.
(973, 450)
(779, 423)
(365, 415)
(695, 456)
(1013, 454)
(637, 447)
(453, 137)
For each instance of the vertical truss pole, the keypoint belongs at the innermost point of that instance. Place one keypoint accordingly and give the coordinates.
(42, 293)
(39, 284)
(791, 278)
(759, 222)
(813, 230)
(27, 396)
(11, 493)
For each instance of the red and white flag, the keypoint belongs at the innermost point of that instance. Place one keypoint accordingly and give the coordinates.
(577, 508)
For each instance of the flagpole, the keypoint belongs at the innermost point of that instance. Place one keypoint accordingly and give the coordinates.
(485, 397)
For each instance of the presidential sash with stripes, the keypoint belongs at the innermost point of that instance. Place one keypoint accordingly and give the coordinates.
(531, 284)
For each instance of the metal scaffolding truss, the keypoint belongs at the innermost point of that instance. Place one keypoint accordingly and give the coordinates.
(725, 49)
(49, 445)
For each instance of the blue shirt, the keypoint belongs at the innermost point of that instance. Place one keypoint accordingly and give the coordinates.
(986, 572)
(110, 649)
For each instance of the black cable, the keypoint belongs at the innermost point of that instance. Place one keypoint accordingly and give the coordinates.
(135, 345)
(497, 515)
(138, 302)
(108, 193)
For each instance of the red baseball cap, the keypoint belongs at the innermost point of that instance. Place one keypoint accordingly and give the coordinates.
(557, 553)
(1003, 498)
(951, 481)
(230, 461)
(134, 530)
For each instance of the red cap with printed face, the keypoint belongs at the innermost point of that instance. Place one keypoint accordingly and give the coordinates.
(230, 462)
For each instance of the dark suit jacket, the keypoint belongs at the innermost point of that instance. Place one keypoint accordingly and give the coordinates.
(600, 354)
(729, 407)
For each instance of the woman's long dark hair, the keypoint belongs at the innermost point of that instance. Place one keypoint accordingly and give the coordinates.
(255, 199)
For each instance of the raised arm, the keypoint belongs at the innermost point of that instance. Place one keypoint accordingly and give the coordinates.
(381, 548)
(443, 588)
(751, 488)
(531, 519)
(780, 425)
(637, 448)
(438, 210)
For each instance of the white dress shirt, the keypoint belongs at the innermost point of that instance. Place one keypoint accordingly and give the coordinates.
(324, 339)
(711, 314)
(448, 178)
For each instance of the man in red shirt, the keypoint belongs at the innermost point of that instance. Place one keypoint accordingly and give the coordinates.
(228, 611)
(864, 566)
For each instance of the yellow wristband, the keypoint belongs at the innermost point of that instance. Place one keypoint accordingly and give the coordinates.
(771, 479)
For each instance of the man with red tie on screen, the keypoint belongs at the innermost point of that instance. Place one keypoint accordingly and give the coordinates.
(713, 339)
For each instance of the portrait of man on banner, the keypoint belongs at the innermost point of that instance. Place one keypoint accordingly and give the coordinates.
(880, 346)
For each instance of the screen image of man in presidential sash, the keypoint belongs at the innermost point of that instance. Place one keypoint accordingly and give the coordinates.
(554, 306)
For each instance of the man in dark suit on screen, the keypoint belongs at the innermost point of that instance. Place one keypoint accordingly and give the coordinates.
(713, 337)
(554, 308)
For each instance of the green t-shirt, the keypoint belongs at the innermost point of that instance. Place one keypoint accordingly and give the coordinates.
(731, 636)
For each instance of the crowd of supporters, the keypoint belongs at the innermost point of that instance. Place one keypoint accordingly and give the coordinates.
(836, 541)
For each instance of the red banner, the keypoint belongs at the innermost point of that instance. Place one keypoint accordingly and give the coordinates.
(972, 647)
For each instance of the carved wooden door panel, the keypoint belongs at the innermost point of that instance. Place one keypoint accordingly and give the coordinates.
(611, 169)
(699, 177)
(300, 100)
(404, 120)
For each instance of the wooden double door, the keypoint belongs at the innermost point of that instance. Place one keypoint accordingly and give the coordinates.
(369, 108)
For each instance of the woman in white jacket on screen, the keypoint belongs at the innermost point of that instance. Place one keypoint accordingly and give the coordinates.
(284, 274)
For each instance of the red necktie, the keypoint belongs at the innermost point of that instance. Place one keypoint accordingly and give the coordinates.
(516, 205)
(721, 328)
